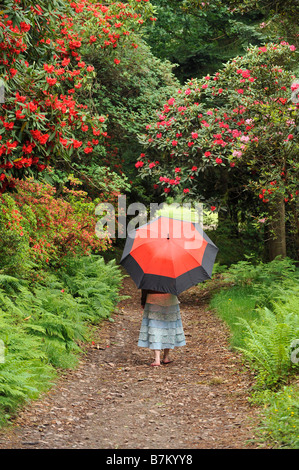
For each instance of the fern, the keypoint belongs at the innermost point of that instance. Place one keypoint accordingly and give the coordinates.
(43, 326)
(267, 343)
(94, 284)
(11, 284)
(25, 371)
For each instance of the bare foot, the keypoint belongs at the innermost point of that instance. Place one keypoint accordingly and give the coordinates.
(155, 364)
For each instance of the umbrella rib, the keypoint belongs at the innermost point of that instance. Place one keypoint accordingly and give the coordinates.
(190, 253)
(173, 258)
(187, 270)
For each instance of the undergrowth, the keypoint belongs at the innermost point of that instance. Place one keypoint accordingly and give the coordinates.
(44, 325)
(260, 305)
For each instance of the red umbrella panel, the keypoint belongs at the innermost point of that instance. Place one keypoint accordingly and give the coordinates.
(168, 255)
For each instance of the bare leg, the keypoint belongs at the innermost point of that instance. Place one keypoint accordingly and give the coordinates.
(166, 356)
(157, 361)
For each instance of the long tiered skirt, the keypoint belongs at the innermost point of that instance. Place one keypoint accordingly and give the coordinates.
(161, 326)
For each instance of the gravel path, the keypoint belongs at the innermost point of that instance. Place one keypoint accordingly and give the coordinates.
(114, 400)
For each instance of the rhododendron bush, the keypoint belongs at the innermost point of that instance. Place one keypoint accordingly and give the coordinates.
(45, 116)
(238, 124)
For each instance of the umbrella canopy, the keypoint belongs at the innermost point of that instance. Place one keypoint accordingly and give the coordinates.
(168, 255)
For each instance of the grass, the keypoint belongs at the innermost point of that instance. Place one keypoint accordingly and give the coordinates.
(233, 304)
(280, 418)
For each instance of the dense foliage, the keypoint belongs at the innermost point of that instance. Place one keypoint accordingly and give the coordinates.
(280, 16)
(199, 40)
(45, 325)
(237, 126)
(40, 229)
(260, 306)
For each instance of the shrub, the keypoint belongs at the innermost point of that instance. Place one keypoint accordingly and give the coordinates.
(40, 229)
(14, 242)
(45, 115)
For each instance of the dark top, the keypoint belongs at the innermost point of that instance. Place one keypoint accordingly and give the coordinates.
(144, 293)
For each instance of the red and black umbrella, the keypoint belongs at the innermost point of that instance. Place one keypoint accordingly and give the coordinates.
(168, 255)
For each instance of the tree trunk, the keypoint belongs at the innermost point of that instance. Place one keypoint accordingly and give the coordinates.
(277, 233)
(294, 231)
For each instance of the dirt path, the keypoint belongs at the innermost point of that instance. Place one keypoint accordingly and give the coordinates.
(114, 400)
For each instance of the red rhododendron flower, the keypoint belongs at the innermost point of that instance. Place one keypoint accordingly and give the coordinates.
(44, 138)
(25, 26)
(41, 167)
(77, 143)
(19, 114)
(51, 81)
(65, 62)
(32, 106)
(28, 148)
(8, 125)
(49, 68)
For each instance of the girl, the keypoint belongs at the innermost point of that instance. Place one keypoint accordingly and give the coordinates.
(161, 326)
